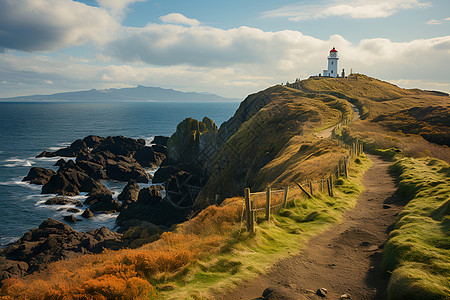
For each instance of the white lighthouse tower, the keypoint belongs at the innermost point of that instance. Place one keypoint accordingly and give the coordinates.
(332, 64)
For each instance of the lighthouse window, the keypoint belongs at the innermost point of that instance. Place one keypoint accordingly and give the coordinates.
(332, 62)
(331, 71)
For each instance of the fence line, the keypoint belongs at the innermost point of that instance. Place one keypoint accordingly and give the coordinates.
(270, 201)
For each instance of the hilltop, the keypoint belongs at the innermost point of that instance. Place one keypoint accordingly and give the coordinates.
(135, 94)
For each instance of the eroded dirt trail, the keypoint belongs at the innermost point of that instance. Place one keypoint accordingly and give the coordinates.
(344, 259)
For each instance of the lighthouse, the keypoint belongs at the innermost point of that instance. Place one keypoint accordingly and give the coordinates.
(332, 64)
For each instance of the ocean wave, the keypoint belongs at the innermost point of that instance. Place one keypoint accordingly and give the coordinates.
(148, 139)
(17, 162)
(18, 182)
(6, 240)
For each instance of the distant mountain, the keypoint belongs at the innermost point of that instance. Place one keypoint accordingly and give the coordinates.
(136, 94)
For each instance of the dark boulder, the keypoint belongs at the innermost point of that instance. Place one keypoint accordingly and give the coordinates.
(71, 219)
(39, 176)
(73, 210)
(70, 183)
(61, 162)
(130, 192)
(124, 168)
(164, 173)
(63, 201)
(73, 150)
(93, 141)
(46, 154)
(101, 201)
(140, 233)
(160, 140)
(52, 241)
(153, 208)
(160, 149)
(69, 165)
(95, 170)
(88, 214)
(148, 158)
(119, 145)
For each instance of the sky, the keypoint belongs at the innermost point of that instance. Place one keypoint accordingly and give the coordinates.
(230, 48)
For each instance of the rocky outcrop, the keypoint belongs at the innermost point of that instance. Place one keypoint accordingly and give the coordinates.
(153, 208)
(183, 145)
(76, 148)
(130, 192)
(52, 241)
(70, 183)
(119, 145)
(148, 157)
(124, 168)
(160, 140)
(139, 233)
(87, 214)
(39, 176)
(101, 200)
(46, 154)
(92, 141)
(63, 201)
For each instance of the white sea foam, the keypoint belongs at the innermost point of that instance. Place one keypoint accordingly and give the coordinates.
(5, 240)
(148, 139)
(26, 184)
(17, 162)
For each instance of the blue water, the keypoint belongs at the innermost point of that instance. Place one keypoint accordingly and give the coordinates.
(26, 129)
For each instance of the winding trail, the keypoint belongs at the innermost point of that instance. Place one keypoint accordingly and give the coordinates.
(346, 258)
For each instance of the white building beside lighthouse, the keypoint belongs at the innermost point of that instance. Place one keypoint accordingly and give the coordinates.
(332, 64)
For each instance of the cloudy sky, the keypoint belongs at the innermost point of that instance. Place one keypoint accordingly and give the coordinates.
(231, 48)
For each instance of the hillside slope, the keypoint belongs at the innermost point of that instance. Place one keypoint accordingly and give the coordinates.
(270, 129)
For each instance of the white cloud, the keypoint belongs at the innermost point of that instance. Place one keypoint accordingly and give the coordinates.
(117, 8)
(46, 25)
(437, 22)
(433, 22)
(176, 18)
(360, 9)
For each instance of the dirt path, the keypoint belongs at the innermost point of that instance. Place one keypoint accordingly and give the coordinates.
(326, 133)
(343, 259)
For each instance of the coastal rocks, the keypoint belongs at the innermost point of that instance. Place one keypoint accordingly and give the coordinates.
(73, 150)
(70, 183)
(62, 201)
(160, 140)
(141, 233)
(52, 241)
(124, 168)
(87, 214)
(100, 200)
(148, 157)
(183, 145)
(46, 154)
(130, 192)
(119, 145)
(153, 208)
(39, 176)
(71, 219)
(93, 141)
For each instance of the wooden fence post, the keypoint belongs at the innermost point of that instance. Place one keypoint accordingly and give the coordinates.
(346, 168)
(304, 191)
(310, 188)
(252, 218)
(286, 191)
(268, 203)
(247, 207)
(330, 184)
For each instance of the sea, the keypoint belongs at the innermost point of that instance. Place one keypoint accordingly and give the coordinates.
(27, 129)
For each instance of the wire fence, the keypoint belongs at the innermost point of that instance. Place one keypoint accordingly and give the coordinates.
(270, 201)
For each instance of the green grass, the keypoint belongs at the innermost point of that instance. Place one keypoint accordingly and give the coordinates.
(245, 256)
(418, 250)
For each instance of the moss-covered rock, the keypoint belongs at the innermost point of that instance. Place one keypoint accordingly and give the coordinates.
(187, 145)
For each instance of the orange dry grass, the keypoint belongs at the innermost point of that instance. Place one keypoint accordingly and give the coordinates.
(127, 273)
